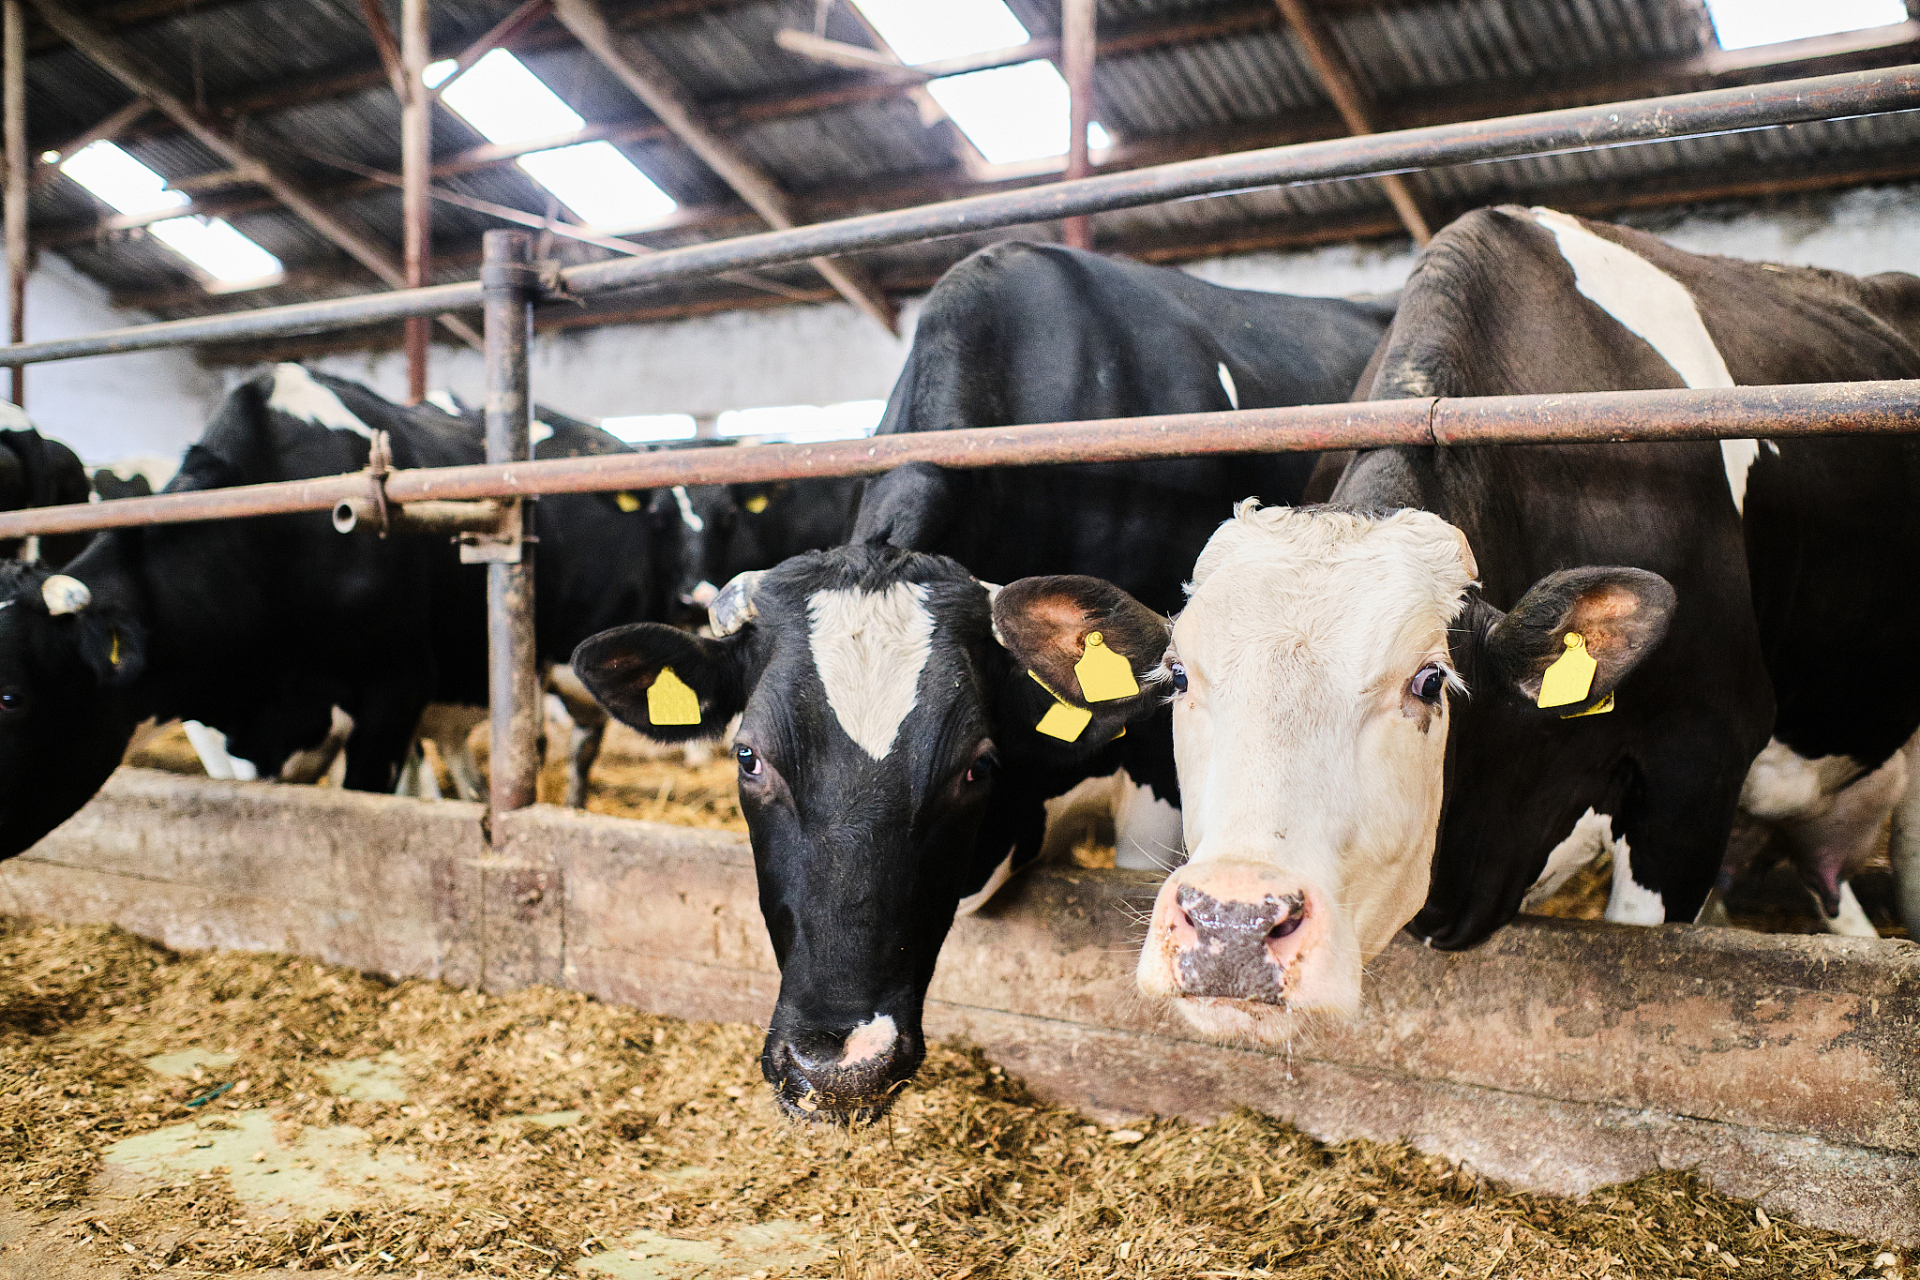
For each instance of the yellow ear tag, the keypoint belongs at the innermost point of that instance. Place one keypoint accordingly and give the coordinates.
(670, 701)
(1570, 678)
(756, 504)
(626, 502)
(1104, 674)
(1063, 720)
(113, 654)
(1599, 708)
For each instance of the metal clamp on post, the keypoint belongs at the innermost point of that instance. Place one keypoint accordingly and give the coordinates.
(501, 544)
(553, 285)
(379, 464)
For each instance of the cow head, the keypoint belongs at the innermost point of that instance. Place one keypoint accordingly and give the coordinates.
(886, 706)
(1315, 664)
(66, 661)
(693, 529)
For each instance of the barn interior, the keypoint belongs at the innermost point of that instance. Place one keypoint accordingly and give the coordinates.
(238, 1039)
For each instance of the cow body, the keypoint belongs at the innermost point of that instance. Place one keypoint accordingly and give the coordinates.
(1389, 701)
(897, 743)
(38, 472)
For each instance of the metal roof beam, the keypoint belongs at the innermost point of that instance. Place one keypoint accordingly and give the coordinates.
(124, 65)
(649, 81)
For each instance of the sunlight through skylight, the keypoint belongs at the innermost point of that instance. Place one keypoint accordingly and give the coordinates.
(1743, 24)
(805, 423)
(507, 104)
(643, 428)
(128, 186)
(1010, 114)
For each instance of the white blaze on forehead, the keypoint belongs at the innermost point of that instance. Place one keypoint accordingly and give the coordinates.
(688, 516)
(869, 648)
(1226, 383)
(1658, 309)
(298, 395)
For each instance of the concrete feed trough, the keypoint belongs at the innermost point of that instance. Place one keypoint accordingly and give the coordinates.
(1559, 1056)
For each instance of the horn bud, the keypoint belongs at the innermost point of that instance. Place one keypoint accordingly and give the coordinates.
(65, 595)
(733, 608)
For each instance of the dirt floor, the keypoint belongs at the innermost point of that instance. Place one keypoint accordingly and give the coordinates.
(219, 1114)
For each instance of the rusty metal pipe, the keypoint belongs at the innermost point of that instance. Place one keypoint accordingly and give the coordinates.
(1581, 128)
(513, 684)
(1832, 409)
(421, 518)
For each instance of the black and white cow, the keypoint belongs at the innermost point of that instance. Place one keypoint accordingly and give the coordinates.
(899, 738)
(715, 532)
(260, 629)
(1359, 723)
(38, 472)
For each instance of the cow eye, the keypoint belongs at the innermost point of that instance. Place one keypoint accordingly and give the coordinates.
(982, 769)
(1179, 671)
(750, 762)
(1428, 682)
(12, 700)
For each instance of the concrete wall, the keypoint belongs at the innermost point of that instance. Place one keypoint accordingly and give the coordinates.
(1559, 1056)
(827, 354)
(109, 406)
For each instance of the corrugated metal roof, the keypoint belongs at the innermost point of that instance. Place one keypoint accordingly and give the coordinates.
(851, 147)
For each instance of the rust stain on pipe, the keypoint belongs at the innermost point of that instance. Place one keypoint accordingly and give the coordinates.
(1840, 408)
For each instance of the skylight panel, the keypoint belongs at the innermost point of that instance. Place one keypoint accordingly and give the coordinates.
(507, 104)
(920, 31)
(605, 188)
(805, 423)
(1744, 24)
(1009, 113)
(642, 428)
(128, 186)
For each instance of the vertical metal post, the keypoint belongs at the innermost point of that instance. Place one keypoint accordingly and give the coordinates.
(416, 169)
(13, 43)
(508, 283)
(1076, 57)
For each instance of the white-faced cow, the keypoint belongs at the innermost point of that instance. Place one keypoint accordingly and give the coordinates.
(897, 746)
(1477, 664)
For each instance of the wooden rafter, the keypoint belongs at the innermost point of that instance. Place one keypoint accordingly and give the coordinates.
(113, 57)
(1342, 86)
(641, 72)
(388, 46)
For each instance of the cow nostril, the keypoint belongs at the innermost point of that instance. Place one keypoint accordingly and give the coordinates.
(1286, 927)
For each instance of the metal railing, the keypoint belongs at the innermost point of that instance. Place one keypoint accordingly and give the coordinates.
(510, 286)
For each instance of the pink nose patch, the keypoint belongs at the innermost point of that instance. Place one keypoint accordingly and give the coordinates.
(868, 1041)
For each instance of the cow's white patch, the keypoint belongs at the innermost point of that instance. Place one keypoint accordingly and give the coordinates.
(13, 417)
(688, 516)
(1632, 902)
(1658, 309)
(1226, 384)
(1852, 922)
(1772, 448)
(540, 431)
(296, 394)
(869, 648)
(1591, 836)
(868, 1041)
(211, 746)
(978, 899)
(1146, 829)
(1783, 784)
(702, 594)
(442, 399)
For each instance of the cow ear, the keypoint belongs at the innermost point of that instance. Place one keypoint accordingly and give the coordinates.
(1578, 633)
(1092, 653)
(671, 686)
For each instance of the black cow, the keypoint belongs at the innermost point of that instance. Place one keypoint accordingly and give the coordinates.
(260, 628)
(38, 472)
(894, 753)
(1481, 665)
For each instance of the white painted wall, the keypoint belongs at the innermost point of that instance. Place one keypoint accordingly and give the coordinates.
(159, 402)
(108, 407)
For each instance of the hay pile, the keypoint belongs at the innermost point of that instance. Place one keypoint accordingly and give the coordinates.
(543, 1133)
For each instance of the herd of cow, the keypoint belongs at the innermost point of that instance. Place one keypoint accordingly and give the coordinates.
(1339, 695)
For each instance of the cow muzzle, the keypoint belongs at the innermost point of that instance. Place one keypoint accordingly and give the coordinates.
(841, 1078)
(1233, 944)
